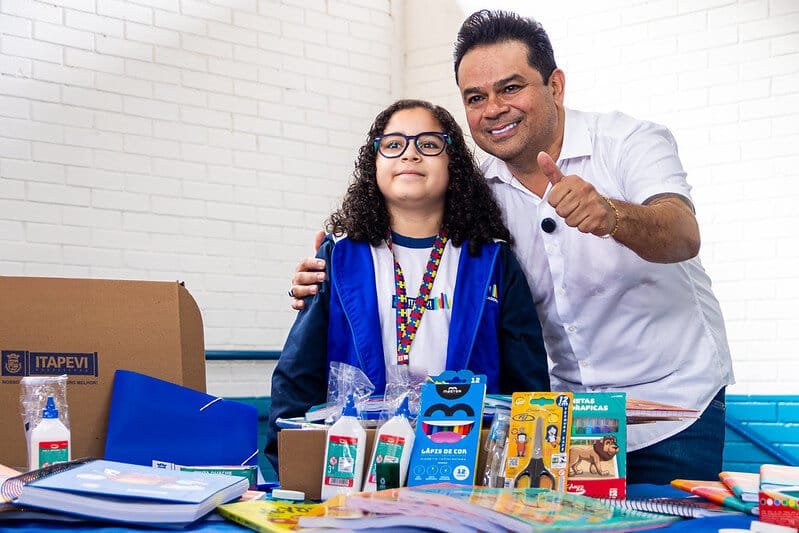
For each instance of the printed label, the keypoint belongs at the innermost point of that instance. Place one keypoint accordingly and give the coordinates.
(342, 453)
(26, 363)
(389, 450)
(52, 452)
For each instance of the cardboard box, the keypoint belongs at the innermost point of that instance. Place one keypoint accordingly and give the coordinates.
(87, 329)
(301, 454)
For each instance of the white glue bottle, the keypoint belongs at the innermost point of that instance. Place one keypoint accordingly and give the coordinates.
(50, 440)
(344, 450)
(393, 444)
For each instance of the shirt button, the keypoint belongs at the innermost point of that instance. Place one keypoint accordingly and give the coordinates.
(585, 363)
(561, 291)
(571, 329)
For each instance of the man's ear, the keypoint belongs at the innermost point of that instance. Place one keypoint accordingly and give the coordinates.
(557, 83)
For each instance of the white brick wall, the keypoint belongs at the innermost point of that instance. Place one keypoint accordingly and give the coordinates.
(724, 76)
(207, 140)
(193, 140)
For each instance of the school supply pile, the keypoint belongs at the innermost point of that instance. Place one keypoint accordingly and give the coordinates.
(457, 508)
(109, 490)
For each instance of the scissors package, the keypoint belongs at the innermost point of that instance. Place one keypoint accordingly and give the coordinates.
(538, 440)
(597, 456)
(447, 439)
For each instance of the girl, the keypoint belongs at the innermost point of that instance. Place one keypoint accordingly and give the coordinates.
(419, 272)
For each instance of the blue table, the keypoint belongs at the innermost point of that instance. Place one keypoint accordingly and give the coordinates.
(709, 524)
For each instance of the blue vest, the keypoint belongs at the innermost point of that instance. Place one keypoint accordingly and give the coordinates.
(354, 333)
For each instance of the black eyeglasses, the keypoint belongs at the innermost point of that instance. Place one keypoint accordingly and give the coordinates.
(428, 143)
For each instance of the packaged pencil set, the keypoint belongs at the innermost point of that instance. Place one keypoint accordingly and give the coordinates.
(598, 446)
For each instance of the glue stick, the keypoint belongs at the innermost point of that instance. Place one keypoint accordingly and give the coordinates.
(344, 450)
(393, 444)
(49, 440)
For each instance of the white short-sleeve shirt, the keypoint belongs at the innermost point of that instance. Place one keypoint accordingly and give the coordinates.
(611, 320)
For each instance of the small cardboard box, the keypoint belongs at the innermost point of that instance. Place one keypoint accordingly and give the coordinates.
(87, 329)
(301, 454)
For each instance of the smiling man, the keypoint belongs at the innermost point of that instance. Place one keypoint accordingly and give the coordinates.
(608, 240)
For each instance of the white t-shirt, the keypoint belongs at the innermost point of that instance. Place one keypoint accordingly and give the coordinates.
(429, 347)
(611, 320)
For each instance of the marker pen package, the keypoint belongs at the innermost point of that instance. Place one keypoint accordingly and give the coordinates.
(598, 451)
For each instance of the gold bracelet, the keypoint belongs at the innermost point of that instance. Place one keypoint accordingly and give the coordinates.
(616, 216)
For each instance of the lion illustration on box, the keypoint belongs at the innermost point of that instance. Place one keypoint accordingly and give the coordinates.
(603, 449)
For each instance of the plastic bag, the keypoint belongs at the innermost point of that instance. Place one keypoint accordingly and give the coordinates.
(345, 380)
(33, 397)
(402, 381)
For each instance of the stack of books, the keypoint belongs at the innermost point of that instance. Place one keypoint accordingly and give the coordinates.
(119, 492)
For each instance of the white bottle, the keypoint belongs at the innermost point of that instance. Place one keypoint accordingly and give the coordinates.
(393, 444)
(50, 440)
(344, 450)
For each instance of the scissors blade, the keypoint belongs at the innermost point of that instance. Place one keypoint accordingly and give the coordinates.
(538, 439)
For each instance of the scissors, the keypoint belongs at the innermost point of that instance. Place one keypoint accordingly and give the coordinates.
(535, 474)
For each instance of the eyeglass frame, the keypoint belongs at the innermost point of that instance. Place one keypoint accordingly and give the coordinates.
(415, 138)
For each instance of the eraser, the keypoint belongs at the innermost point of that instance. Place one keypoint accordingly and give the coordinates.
(283, 494)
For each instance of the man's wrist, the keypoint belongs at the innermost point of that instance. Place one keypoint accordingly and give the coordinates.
(616, 217)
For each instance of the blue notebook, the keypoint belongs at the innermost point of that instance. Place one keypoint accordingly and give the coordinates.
(116, 491)
(155, 420)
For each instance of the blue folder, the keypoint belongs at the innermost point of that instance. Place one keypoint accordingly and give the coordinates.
(155, 420)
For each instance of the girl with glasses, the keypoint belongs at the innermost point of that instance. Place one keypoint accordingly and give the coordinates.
(418, 272)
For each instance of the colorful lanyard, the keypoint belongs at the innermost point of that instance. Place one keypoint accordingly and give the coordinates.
(409, 317)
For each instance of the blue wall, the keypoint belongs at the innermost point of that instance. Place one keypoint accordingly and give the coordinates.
(771, 421)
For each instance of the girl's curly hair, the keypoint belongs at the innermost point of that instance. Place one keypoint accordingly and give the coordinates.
(470, 210)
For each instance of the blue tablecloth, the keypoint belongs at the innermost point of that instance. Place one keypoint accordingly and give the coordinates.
(710, 524)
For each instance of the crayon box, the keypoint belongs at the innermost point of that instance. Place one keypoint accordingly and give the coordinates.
(447, 441)
(598, 451)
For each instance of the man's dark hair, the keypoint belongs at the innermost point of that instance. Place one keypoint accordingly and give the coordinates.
(486, 27)
(470, 210)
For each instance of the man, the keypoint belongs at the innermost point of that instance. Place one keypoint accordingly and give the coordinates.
(607, 238)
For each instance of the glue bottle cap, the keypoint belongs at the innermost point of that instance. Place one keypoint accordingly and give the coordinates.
(349, 408)
(50, 410)
(403, 409)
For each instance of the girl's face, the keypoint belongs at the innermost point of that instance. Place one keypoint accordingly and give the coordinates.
(413, 180)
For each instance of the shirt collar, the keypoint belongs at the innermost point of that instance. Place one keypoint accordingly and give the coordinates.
(576, 143)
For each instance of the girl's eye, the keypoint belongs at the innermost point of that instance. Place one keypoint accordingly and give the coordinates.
(392, 144)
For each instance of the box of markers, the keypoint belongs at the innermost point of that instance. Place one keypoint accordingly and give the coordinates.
(598, 451)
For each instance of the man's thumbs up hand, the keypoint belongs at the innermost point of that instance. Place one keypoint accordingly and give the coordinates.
(576, 200)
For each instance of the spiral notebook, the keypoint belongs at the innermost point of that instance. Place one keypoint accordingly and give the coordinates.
(688, 507)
